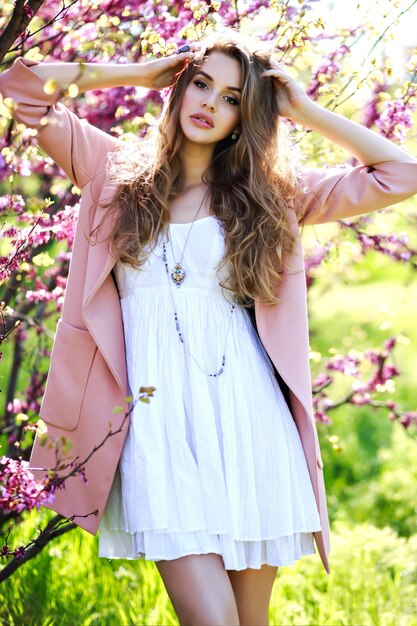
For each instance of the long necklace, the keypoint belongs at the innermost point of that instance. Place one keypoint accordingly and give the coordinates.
(176, 319)
(178, 327)
(178, 273)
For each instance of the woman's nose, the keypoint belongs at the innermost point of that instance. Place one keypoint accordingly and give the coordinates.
(209, 103)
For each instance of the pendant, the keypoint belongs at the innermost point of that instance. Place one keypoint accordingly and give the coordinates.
(178, 275)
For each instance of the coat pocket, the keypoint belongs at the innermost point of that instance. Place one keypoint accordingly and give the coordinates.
(71, 361)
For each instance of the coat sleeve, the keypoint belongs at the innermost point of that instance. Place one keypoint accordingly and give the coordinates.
(336, 193)
(76, 146)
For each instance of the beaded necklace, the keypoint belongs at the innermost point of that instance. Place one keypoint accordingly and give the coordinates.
(176, 319)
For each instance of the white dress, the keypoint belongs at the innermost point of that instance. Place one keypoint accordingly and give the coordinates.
(211, 464)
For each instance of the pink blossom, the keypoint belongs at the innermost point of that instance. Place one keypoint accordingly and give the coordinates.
(28, 11)
(19, 490)
(322, 380)
(392, 245)
(360, 399)
(325, 72)
(396, 119)
(345, 364)
(17, 406)
(371, 112)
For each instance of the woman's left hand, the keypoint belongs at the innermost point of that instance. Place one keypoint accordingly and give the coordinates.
(292, 100)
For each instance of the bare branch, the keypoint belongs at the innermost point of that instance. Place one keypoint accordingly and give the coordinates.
(59, 16)
(50, 532)
(19, 21)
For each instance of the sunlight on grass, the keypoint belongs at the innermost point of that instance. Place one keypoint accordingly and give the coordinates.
(372, 582)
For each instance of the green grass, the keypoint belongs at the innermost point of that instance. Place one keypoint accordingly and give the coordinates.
(372, 582)
(68, 585)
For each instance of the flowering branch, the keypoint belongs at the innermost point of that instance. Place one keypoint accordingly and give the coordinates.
(20, 491)
(394, 246)
(362, 391)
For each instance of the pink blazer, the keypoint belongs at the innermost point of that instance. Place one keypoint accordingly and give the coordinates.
(87, 376)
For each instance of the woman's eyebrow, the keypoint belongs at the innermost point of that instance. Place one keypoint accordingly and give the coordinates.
(210, 78)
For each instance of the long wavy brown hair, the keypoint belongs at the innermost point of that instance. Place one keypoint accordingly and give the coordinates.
(251, 179)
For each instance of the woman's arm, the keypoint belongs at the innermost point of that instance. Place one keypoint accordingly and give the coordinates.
(343, 192)
(90, 75)
(155, 74)
(79, 148)
(364, 144)
(367, 146)
(388, 174)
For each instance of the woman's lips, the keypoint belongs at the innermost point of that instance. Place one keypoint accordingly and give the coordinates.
(200, 122)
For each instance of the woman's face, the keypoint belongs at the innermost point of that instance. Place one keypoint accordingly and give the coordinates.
(214, 92)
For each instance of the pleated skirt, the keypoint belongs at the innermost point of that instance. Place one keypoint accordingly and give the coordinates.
(210, 464)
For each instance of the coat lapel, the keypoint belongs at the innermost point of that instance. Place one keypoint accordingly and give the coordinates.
(101, 305)
(283, 327)
(283, 330)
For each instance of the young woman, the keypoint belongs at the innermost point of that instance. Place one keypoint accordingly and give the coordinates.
(187, 275)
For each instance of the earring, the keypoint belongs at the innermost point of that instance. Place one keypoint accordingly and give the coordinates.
(235, 135)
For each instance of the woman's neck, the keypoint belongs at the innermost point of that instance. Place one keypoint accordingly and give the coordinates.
(196, 159)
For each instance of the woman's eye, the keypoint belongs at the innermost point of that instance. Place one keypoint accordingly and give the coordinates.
(202, 85)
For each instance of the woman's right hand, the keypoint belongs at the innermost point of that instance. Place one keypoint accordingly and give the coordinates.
(161, 73)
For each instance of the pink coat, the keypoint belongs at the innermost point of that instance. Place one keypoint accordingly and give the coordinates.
(87, 376)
